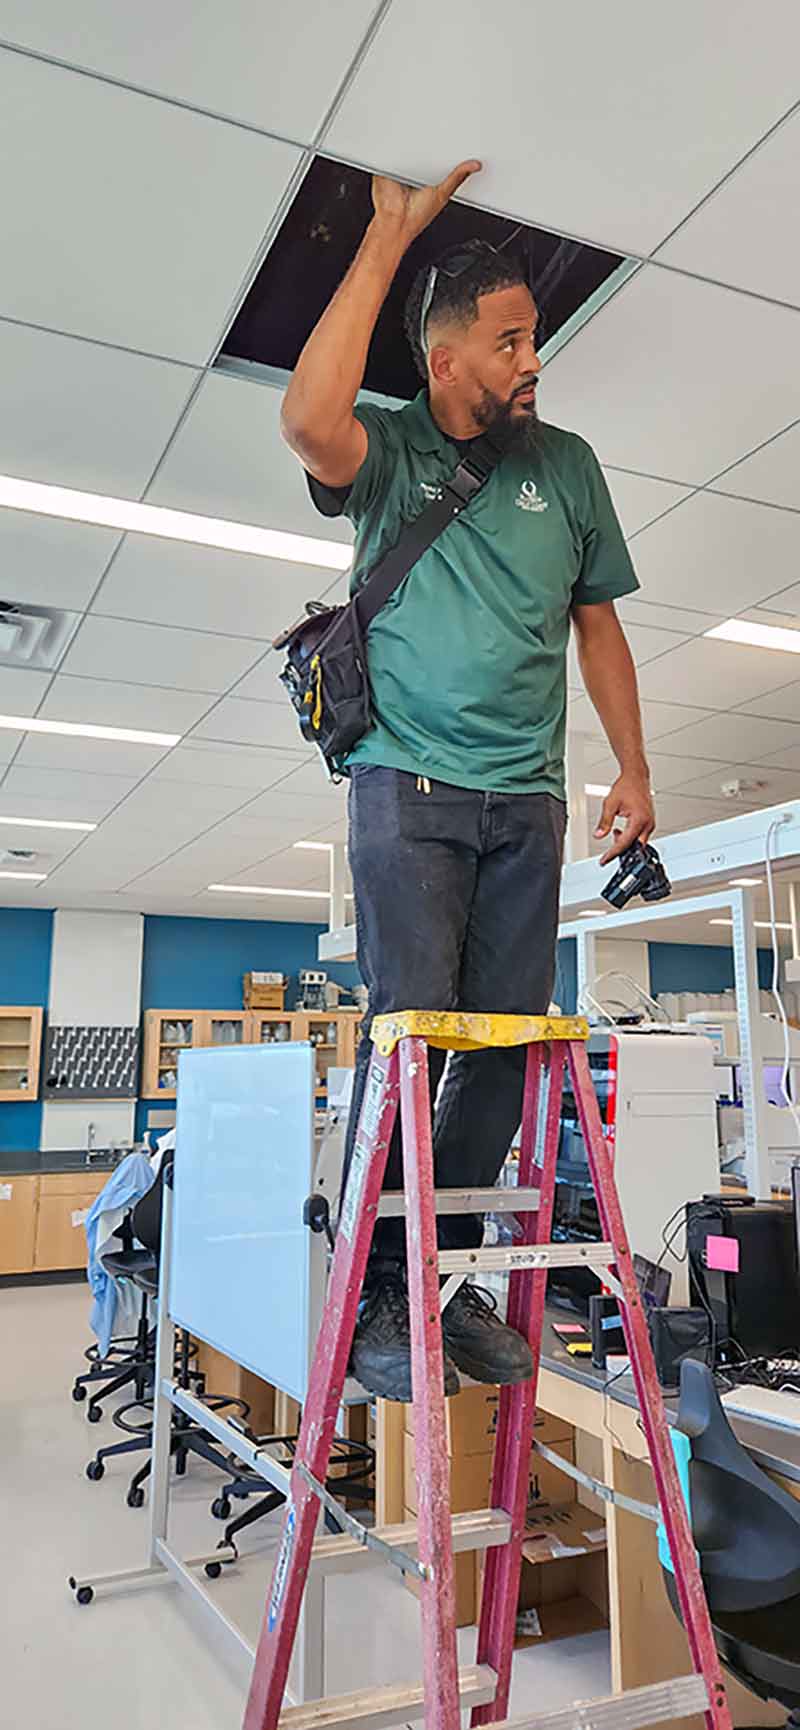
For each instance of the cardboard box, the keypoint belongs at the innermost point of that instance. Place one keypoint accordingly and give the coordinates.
(263, 991)
(470, 1479)
(471, 1417)
(568, 1591)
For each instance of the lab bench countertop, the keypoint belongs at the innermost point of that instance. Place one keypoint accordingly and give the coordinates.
(38, 1164)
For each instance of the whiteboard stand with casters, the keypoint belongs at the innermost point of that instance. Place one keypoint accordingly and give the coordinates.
(239, 1270)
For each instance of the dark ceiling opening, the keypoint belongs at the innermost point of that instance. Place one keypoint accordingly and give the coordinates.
(318, 239)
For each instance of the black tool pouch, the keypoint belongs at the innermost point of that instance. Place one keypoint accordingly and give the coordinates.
(326, 672)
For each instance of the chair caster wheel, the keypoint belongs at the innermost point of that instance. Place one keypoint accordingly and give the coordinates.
(213, 1570)
(79, 1392)
(135, 1498)
(94, 1414)
(221, 1509)
(95, 1470)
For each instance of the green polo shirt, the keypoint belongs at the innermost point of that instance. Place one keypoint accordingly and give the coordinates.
(467, 660)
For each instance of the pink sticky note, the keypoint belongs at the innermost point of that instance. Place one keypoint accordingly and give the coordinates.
(568, 1328)
(723, 1252)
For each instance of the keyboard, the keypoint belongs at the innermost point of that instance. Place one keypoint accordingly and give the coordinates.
(767, 1404)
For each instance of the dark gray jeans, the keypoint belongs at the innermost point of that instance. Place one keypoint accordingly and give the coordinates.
(456, 908)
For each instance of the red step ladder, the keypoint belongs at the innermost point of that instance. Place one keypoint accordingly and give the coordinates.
(399, 1071)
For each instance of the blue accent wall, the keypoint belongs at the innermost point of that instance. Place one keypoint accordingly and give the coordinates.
(199, 963)
(698, 967)
(26, 937)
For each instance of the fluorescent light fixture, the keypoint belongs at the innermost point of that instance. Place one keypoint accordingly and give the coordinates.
(596, 790)
(315, 846)
(44, 823)
(745, 882)
(82, 730)
(760, 636)
(256, 889)
(591, 913)
(127, 514)
(760, 924)
(25, 876)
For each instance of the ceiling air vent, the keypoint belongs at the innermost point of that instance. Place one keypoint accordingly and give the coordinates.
(33, 636)
(17, 856)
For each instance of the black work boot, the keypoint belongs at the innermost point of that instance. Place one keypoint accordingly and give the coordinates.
(381, 1355)
(479, 1343)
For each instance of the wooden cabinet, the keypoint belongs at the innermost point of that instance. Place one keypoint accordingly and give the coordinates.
(20, 1048)
(41, 1220)
(167, 1032)
(270, 1026)
(64, 1200)
(18, 1200)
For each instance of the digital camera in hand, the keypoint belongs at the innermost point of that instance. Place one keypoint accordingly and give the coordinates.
(640, 872)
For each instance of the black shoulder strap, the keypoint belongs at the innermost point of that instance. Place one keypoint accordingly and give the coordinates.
(472, 473)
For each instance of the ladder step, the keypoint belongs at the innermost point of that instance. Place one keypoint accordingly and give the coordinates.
(656, 1703)
(478, 1530)
(504, 1258)
(388, 1705)
(392, 1204)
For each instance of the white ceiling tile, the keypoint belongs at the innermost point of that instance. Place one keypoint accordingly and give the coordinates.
(261, 684)
(247, 723)
(784, 601)
(196, 661)
(722, 552)
(229, 460)
(222, 60)
(77, 415)
(780, 705)
(770, 474)
(650, 381)
(731, 738)
(646, 643)
(583, 718)
(129, 219)
(281, 806)
(757, 201)
(670, 773)
(789, 758)
(49, 563)
(312, 780)
(81, 793)
(632, 150)
(638, 499)
(660, 719)
(676, 813)
(198, 763)
(103, 703)
(722, 674)
(95, 756)
(636, 610)
(774, 784)
(237, 594)
(21, 691)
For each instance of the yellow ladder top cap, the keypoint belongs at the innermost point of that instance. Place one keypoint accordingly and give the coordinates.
(457, 1030)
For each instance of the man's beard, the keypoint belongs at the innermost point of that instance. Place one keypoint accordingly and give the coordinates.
(518, 434)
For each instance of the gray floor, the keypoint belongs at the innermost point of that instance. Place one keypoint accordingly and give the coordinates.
(134, 1661)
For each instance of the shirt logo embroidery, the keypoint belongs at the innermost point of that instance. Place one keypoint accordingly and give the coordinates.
(431, 492)
(529, 498)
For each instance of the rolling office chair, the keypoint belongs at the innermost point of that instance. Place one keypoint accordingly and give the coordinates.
(747, 1532)
(141, 1267)
(127, 1360)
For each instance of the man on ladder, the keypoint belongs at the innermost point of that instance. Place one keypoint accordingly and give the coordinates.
(457, 812)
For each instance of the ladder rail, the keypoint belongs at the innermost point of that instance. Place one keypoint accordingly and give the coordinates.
(329, 1369)
(435, 1549)
(526, 1300)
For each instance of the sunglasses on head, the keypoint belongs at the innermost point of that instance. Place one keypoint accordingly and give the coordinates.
(453, 263)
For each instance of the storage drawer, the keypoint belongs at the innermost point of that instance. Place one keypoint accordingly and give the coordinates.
(82, 1183)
